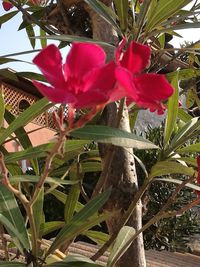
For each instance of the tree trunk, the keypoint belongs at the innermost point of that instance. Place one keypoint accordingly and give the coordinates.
(121, 173)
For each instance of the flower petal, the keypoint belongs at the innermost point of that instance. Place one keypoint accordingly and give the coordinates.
(136, 57)
(153, 87)
(100, 79)
(49, 61)
(90, 99)
(151, 90)
(7, 5)
(55, 95)
(82, 58)
(125, 80)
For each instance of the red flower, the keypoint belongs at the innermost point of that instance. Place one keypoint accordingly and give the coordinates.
(146, 90)
(83, 81)
(198, 177)
(7, 5)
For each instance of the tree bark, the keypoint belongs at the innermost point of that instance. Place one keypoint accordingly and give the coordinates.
(121, 175)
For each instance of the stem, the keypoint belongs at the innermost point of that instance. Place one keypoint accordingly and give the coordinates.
(56, 149)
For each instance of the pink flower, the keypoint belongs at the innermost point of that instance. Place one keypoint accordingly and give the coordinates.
(83, 81)
(147, 90)
(7, 5)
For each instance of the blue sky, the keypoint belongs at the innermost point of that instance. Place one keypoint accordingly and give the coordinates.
(13, 41)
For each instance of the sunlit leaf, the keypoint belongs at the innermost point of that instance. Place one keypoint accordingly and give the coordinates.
(172, 111)
(29, 114)
(120, 246)
(169, 167)
(12, 219)
(104, 134)
(176, 181)
(81, 221)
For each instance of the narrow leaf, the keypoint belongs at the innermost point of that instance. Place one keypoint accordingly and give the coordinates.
(169, 167)
(172, 111)
(105, 12)
(176, 181)
(80, 222)
(12, 264)
(10, 210)
(124, 236)
(104, 134)
(30, 32)
(25, 117)
(7, 17)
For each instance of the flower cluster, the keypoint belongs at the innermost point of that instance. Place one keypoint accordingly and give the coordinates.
(86, 80)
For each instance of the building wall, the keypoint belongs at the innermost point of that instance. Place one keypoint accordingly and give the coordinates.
(37, 136)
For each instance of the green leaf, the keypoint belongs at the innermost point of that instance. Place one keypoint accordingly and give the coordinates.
(176, 181)
(71, 39)
(29, 114)
(172, 111)
(169, 167)
(38, 213)
(105, 134)
(13, 232)
(7, 17)
(126, 233)
(30, 32)
(41, 151)
(12, 264)
(62, 198)
(2, 108)
(75, 228)
(23, 138)
(122, 12)
(163, 11)
(105, 12)
(184, 116)
(34, 179)
(22, 53)
(91, 166)
(81, 221)
(79, 260)
(184, 74)
(43, 41)
(185, 132)
(32, 76)
(49, 227)
(73, 196)
(8, 74)
(73, 264)
(188, 161)
(190, 149)
(10, 211)
(98, 237)
(4, 60)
